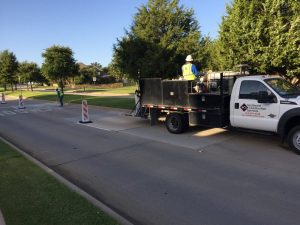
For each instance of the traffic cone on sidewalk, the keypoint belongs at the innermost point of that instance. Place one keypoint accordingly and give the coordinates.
(21, 102)
(85, 113)
(3, 99)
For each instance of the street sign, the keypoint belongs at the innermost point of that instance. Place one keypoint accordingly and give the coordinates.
(94, 79)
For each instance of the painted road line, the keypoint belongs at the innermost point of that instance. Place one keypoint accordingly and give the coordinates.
(93, 126)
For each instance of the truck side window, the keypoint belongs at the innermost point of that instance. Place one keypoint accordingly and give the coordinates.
(250, 88)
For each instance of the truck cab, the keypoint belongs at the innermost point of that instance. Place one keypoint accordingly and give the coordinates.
(267, 103)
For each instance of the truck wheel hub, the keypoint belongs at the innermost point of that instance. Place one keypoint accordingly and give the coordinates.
(296, 140)
(174, 123)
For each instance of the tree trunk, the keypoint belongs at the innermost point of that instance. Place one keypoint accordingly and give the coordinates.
(5, 87)
(16, 86)
(73, 83)
(27, 87)
(61, 84)
(12, 87)
(31, 86)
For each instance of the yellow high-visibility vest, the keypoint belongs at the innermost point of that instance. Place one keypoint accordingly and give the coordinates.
(187, 72)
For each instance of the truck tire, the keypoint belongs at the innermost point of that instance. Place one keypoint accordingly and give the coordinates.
(175, 123)
(294, 139)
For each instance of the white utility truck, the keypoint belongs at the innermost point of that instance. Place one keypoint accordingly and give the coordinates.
(261, 103)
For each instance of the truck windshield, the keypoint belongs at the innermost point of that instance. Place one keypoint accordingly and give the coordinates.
(283, 88)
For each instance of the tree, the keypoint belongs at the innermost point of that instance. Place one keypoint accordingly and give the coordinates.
(210, 54)
(115, 71)
(30, 72)
(87, 73)
(59, 64)
(105, 70)
(235, 33)
(8, 68)
(85, 76)
(161, 36)
(96, 69)
(264, 33)
(284, 46)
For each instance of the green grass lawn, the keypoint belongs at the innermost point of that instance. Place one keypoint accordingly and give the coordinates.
(114, 102)
(29, 94)
(30, 196)
(122, 90)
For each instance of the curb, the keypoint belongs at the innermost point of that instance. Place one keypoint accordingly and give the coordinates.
(70, 185)
(2, 222)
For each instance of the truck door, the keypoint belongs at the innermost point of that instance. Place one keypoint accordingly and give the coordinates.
(249, 113)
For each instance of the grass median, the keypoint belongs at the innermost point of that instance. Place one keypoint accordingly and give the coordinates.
(30, 196)
(122, 90)
(114, 102)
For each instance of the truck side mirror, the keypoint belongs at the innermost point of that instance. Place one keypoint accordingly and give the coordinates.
(264, 97)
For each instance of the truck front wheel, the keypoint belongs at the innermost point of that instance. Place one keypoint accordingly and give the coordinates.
(294, 139)
(175, 123)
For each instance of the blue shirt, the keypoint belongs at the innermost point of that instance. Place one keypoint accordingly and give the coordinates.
(194, 70)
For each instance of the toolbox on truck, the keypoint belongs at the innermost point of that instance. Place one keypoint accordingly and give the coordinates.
(151, 91)
(210, 118)
(208, 100)
(175, 93)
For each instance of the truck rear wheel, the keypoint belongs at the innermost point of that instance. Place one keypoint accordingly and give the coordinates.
(294, 139)
(175, 123)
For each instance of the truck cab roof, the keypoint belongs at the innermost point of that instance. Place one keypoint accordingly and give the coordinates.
(258, 77)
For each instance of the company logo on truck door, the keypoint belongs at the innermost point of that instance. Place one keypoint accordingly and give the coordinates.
(252, 110)
(244, 107)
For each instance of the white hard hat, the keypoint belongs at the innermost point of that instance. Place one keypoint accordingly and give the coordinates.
(189, 58)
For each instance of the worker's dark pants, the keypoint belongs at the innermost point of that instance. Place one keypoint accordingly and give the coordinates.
(61, 99)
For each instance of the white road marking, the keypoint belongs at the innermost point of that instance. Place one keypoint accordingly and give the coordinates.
(91, 125)
(9, 113)
(34, 108)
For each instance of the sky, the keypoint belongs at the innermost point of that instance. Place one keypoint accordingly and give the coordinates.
(89, 27)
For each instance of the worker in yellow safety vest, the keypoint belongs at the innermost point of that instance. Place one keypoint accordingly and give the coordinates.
(189, 70)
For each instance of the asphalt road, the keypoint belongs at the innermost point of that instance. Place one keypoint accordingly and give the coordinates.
(152, 177)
